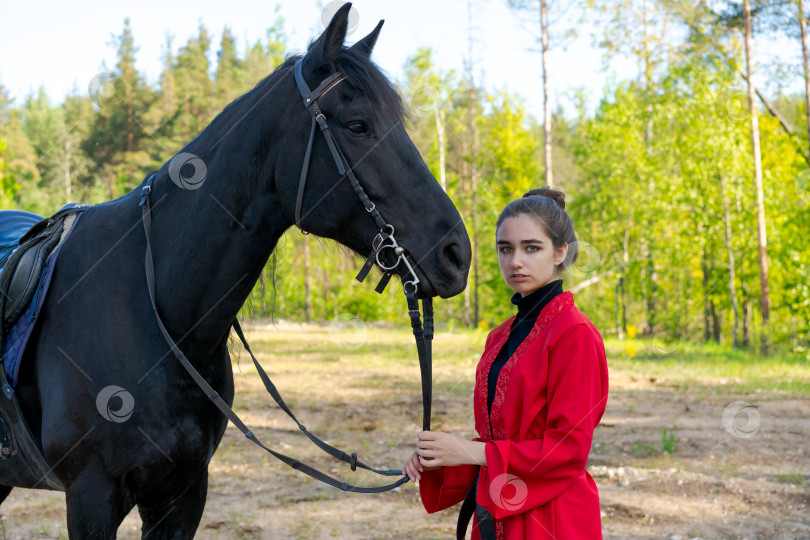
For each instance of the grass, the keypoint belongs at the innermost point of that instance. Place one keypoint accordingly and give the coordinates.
(795, 479)
(668, 440)
(717, 367)
(456, 353)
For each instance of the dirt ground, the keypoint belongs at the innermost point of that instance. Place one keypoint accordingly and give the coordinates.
(358, 387)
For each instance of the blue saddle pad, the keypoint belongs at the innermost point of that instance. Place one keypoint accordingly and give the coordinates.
(13, 226)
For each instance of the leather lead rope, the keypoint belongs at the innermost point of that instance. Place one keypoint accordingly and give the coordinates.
(351, 459)
(424, 340)
(220, 403)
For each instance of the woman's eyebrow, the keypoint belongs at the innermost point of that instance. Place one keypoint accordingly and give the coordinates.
(524, 242)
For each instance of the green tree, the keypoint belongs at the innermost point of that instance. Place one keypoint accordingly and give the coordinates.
(7, 186)
(117, 140)
(229, 73)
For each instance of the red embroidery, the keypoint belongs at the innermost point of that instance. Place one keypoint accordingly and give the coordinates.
(497, 421)
(480, 399)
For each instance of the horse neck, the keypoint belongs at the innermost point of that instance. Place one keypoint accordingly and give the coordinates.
(211, 244)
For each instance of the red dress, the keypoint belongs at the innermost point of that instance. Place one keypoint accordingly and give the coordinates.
(549, 398)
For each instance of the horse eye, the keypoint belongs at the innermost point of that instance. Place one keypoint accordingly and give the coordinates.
(357, 127)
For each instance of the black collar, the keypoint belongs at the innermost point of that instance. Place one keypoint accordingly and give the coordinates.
(530, 306)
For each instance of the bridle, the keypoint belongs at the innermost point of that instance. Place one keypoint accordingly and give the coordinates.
(383, 240)
(386, 233)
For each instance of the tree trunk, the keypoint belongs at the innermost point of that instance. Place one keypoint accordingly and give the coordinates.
(546, 107)
(716, 326)
(625, 265)
(473, 170)
(806, 66)
(683, 321)
(263, 292)
(617, 296)
(68, 190)
(764, 300)
(731, 264)
(130, 136)
(746, 322)
(307, 281)
(708, 307)
(438, 113)
(648, 137)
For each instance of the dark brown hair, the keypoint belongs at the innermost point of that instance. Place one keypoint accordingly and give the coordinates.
(546, 206)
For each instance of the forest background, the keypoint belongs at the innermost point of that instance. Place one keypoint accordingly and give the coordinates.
(690, 198)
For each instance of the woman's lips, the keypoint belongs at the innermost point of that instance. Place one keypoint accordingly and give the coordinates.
(519, 277)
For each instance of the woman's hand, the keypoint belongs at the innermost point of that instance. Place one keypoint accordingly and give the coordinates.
(412, 468)
(437, 449)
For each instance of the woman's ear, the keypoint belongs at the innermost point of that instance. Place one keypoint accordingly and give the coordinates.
(561, 254)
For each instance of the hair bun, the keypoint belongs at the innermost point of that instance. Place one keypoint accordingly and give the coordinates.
(545, 191)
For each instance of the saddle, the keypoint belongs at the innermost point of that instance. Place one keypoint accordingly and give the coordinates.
(26, 243)
(22, 262)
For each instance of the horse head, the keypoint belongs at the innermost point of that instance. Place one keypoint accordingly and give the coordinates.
(364, 114)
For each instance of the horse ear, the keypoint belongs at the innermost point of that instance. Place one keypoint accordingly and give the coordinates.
(324, 50)
(366, 44)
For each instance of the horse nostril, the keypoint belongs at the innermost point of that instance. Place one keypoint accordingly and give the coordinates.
(452, 255)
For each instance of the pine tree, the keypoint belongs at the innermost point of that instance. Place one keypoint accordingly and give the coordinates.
(116, 139)
(229, 73)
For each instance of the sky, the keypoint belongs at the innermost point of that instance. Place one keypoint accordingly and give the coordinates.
(61, 45)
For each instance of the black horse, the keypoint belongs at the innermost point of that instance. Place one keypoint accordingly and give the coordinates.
(97, 328)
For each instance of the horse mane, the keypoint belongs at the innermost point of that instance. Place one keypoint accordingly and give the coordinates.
(365, 77)
(361, 73)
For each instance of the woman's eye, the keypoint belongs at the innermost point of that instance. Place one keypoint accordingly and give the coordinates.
(506, 250)
(357, 127)
(532, 249)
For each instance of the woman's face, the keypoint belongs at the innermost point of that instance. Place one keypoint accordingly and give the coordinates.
(526, 255)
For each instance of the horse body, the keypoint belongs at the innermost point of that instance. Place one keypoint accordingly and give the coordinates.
(97, 331)
(97, 328)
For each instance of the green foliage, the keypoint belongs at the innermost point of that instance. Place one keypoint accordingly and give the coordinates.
(646, 177)
(668, 440)
(7, 186)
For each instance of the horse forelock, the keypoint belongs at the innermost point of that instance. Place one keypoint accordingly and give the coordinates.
(366, 78)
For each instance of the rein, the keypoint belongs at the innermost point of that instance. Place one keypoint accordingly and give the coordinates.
(384, 240)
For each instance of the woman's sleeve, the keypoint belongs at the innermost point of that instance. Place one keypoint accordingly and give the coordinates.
(521, 475)
(443, 487)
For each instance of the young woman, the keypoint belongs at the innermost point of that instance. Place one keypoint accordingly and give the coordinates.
(540, 390)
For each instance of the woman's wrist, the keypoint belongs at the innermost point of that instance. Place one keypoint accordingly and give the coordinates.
(478, 453)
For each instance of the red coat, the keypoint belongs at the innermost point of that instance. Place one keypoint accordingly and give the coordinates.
(550, 396)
